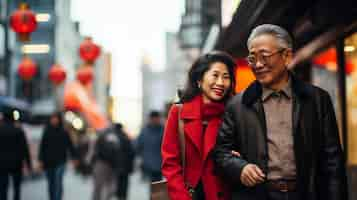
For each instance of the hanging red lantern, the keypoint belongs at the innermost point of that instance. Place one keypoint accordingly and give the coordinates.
(85, 75)
(23, 22)
(27, 69)
(88, 50)
(57, 74)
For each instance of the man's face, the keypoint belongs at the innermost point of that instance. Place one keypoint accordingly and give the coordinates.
(155, 120)
(268, 60)
(54, 121)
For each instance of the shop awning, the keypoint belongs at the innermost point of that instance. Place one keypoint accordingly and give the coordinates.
(321, 42)
(304, 19)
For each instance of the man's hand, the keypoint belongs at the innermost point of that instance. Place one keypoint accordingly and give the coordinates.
(235, 153)
(75, 163)
(252, 175)
(39, 167)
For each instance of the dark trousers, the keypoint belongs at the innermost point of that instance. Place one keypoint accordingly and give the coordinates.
(277, 195)
(4, 184)
(55, 182)
(199, 193)
(155, 176)
(122, 186)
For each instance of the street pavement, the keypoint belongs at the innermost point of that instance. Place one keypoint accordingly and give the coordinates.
(76, 187)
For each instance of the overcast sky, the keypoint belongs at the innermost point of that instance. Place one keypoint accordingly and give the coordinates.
(129, 29)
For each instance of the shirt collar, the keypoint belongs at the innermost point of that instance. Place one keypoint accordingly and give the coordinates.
(286, 91)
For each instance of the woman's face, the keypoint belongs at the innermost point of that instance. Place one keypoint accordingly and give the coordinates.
(215, 82)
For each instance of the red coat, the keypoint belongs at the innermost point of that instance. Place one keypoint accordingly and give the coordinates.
(199, 165)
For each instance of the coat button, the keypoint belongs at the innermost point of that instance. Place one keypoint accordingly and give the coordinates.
(220, 194)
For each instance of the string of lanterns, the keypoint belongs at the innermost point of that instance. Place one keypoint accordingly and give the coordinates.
(23, 22)
(57, 74)
(27, 68)
(88, 52)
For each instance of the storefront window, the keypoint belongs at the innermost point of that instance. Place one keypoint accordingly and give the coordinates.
(351, 63)
(324, 75)
(350, 49)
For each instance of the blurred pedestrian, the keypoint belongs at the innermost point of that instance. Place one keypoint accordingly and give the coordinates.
(125, 167)
(55, 148)
(148, 146)
(209, 85)
(106, 159)
(85, 145)
(14, 151)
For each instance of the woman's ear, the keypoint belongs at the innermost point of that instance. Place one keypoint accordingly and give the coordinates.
(199, 84)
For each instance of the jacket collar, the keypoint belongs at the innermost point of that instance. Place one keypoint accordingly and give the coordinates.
(254, 92)
(192, 109)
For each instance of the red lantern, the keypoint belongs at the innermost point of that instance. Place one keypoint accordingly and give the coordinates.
(85, 75)
(88, 50)
(57, 74)
(27, 69)
(23, 22)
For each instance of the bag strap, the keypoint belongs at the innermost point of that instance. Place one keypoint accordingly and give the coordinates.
(182, 139)
(183, 149)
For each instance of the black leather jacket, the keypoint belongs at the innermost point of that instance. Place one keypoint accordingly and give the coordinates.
(320, 162)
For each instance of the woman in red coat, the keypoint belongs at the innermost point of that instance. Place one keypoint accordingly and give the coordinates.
(210, 83)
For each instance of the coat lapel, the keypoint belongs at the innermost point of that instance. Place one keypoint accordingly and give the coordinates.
(302, 95)
(193, 131)
(210, 136)
(261, 136)
(252, 99)
(191, 114)
(302, 145)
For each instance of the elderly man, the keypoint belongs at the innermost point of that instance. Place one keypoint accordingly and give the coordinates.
(282, 131)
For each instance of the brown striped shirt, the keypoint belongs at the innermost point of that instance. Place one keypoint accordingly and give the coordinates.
(278, 107)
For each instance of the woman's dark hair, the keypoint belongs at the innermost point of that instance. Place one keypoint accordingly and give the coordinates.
(200, 67)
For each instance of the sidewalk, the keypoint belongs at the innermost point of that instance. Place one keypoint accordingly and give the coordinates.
(78, 188)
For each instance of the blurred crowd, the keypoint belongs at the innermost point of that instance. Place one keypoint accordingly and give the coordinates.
(108, 156)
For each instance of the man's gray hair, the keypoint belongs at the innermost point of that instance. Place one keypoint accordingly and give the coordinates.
(283, 37)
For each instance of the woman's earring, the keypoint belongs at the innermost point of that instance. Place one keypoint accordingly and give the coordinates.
(199, 85)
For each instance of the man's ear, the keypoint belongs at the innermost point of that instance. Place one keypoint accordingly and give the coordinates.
(288, 55)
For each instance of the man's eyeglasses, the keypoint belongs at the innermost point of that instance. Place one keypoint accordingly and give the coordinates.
(265, 57)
